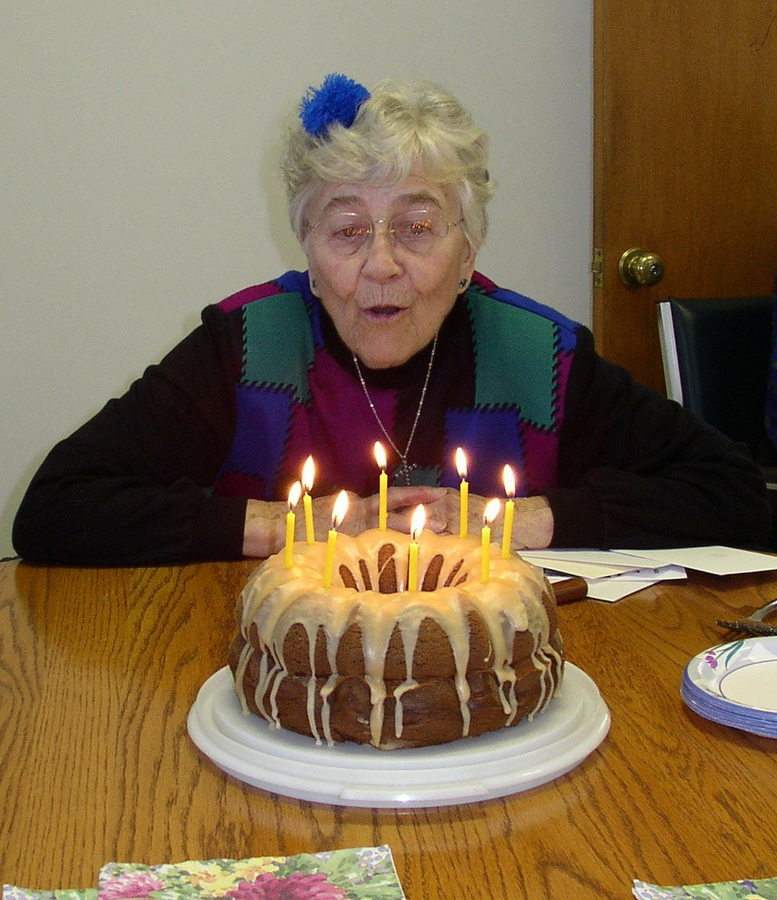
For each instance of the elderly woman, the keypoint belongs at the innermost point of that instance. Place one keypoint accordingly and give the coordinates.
(390, 335)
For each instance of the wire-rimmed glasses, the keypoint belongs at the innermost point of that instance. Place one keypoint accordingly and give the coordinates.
(417, 230)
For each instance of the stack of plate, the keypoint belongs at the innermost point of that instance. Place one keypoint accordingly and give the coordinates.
(736, 684)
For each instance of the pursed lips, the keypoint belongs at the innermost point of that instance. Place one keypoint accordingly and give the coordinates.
(383, 311)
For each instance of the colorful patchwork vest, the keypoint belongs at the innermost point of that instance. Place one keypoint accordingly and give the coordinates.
(294, 399)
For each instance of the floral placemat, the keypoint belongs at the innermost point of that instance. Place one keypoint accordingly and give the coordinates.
(354, 874)
(758, 889)
(10, 892)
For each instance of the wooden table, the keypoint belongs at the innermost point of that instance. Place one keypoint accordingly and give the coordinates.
(99, 667)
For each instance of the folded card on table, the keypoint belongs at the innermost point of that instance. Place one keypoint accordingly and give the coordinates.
(716, 560)
(614, 574)
(610, 575)
(586, 563)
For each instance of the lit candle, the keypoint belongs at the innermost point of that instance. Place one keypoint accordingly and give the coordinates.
(308, 476)
(508, 476)
(338, 514)
(489, 514)
(288, 553)
(380, 459)
(416, 527)
(461, 468)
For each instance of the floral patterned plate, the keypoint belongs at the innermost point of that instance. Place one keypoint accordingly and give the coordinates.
(733, 720)
(736, 684)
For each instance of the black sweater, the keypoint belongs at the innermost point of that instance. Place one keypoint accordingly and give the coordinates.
(133, 485)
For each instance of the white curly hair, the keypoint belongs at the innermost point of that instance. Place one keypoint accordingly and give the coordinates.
(400, 125)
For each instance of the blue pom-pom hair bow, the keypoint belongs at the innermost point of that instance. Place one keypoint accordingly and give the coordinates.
(337, 100)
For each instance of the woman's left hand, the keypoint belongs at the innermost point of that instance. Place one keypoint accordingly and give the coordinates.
(533, 528)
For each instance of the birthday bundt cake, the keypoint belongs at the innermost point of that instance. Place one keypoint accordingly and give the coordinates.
(366, 660)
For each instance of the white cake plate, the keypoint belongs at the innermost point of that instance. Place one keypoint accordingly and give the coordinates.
(502, 762)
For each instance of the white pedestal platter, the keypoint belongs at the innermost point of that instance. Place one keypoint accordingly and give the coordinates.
(493, 765)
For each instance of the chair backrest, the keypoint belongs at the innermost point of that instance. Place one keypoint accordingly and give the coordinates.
(716, 357)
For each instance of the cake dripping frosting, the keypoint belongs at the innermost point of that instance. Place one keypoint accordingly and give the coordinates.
(276, 598)
(409, 640)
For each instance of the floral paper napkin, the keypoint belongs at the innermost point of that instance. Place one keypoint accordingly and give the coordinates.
(355, 874)
(758, 889)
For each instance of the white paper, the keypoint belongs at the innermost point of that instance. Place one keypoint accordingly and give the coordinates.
(626, 559)
(590, 564)
(580, 569)
(616, 587)
(612, 589)
(662, 573)
(714, 559)
(579, 566)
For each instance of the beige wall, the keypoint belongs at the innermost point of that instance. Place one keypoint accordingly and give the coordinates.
(139, 153)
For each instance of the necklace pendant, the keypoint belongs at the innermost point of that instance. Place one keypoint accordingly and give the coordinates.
(403, 473)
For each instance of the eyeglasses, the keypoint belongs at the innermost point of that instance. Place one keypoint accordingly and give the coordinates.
(418, 230)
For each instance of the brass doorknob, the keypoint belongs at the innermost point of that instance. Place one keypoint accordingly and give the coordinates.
(641, 268)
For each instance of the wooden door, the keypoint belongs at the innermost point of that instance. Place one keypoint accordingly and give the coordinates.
(685, 154)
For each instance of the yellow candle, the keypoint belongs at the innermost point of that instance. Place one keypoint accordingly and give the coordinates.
(489, 514)
(508, 477)
(485, 556)
(308, 477)
(507, 534)
(338, 514)
(461, 468)
(288, 550)
(307, 504)
(330, 557)
(380, 458)
(383, 511)
(412, 574)
(416, 527)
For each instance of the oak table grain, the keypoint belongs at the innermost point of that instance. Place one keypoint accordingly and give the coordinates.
(99, 667)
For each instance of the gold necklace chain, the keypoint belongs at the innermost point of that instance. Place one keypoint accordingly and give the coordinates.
(403, 471)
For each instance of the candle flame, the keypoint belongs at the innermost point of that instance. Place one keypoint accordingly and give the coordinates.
(417, 522)
(340, 509)
(380, 455)
(461, 463)
(508, 477)
(308, 474)
(491, 511)
(294, 494)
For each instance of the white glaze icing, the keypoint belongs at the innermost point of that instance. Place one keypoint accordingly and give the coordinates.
(276, 598)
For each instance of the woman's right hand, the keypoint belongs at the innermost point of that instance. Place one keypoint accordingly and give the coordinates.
(265, 521)
(533, 519)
